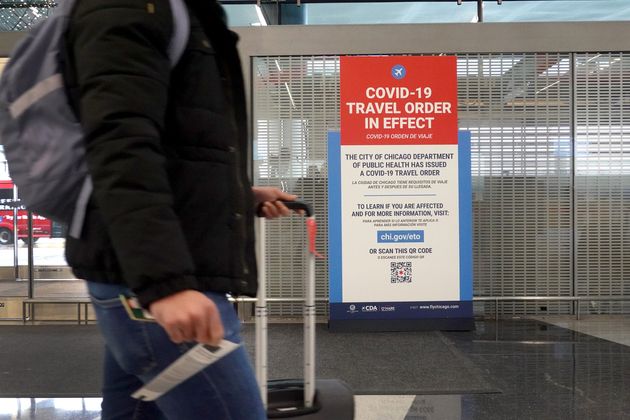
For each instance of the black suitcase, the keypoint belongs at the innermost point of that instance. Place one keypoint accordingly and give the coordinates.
(329, 399)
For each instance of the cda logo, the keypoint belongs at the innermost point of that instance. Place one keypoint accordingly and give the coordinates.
(369, 308)
(352, 309)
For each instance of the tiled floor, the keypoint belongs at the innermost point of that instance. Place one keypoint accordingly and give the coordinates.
(545, 370)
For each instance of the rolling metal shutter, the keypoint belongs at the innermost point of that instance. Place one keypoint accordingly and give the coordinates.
(296, 103)
(518, 108)
(523, 111)
(602, 179)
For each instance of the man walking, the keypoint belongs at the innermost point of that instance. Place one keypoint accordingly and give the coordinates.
(171, 215)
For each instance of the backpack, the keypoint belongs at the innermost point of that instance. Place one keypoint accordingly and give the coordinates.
(41, 134)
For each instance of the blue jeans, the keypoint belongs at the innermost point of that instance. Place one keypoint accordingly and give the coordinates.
(136, 351)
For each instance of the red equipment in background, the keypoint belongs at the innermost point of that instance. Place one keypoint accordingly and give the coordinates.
(42, 227)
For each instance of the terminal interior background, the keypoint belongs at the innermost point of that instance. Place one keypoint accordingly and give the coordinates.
(551, 208)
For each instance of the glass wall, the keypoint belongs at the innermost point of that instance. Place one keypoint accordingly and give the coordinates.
(446, 12)
(556, 11)
(550, 169)
(21, 16)
(51, 275)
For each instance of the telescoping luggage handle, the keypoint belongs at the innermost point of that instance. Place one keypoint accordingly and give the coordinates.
(309, 309)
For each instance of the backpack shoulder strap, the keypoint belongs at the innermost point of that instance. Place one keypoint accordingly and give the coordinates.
(181, 31)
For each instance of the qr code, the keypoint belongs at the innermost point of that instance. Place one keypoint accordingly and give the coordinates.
(400, 272)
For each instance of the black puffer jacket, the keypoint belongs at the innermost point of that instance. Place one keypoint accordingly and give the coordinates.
(172, 207)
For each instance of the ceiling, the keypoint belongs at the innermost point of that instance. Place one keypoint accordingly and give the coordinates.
(447, 12)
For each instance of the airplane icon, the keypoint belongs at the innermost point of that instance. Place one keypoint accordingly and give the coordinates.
(398, 71)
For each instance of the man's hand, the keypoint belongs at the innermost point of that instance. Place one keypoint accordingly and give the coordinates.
(268, 200)
(189, 315)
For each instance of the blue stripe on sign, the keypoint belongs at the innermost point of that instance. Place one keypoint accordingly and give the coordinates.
(334, 217)
(465, 218)
(400, 236)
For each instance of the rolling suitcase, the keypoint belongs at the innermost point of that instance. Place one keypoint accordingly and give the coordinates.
(328, 399)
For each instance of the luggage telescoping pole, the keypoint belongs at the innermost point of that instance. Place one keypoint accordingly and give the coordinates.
(309, 303)
(309, 309)
(261, 313)
(309, 326)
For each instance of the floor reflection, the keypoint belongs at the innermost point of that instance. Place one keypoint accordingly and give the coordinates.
(409, 407)
(50, 408)
(543, 371)
(434, 407)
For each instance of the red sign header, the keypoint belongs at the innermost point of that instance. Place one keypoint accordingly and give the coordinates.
(398, 100)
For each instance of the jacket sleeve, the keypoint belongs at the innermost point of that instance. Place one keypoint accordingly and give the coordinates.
(122, 70)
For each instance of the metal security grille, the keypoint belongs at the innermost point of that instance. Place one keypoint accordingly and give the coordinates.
(602, 179)
(518, 108)
(296, 103)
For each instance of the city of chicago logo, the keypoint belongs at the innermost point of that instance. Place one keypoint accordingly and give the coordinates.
(352, 309)
(399, 71)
